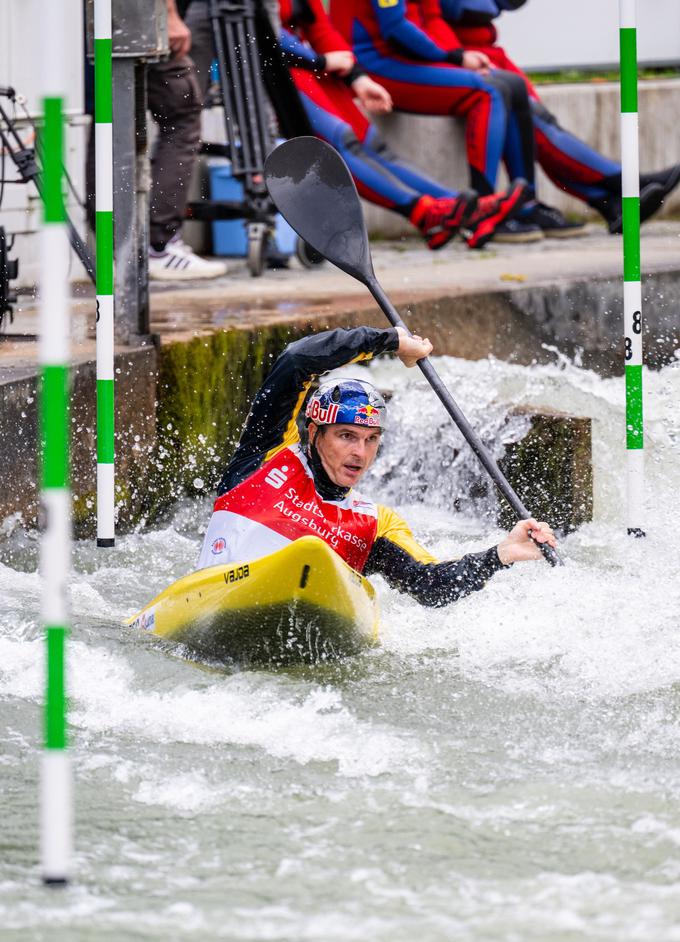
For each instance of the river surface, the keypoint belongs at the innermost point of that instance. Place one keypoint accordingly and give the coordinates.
(503, 769)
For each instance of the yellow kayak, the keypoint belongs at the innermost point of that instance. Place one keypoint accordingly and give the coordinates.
(300, 604)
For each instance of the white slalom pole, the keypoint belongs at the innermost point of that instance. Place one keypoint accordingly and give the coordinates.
(55, 787)
(632, 289)
(104, 215)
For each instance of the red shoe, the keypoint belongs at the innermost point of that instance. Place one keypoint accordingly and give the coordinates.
(440, 219)
(492, 211)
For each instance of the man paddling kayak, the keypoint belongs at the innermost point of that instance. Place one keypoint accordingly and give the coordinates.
(275, 489)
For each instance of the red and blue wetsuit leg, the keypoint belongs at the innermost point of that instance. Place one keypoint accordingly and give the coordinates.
(570, 163)
(307, 38)
(390, 42)
(335, 118)
(380, 175)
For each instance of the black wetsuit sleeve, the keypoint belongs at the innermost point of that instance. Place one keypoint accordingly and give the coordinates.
(406, 566)
(272, 421)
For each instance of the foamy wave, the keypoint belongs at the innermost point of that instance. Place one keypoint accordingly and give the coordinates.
(245, 710)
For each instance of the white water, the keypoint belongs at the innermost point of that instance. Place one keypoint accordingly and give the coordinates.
(504, 769)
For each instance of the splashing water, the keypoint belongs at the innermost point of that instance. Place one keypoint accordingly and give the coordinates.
(506, 768)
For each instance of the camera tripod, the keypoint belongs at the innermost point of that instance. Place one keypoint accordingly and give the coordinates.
(248, 61)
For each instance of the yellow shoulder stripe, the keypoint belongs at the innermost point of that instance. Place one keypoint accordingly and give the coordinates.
(394, 528)
(291, 436)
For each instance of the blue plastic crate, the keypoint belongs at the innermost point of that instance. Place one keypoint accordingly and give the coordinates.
(229, 236)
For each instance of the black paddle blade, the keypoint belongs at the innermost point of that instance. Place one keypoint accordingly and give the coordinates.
(314, 191)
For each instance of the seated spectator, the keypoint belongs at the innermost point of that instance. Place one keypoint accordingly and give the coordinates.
(569, 162)
(462, 31)
(328, 79)
(410, 48)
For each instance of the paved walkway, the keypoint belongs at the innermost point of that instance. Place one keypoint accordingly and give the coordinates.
(407, 271)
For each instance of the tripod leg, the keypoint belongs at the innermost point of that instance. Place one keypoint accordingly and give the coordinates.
(77, 243)
(81, 251)
(229, 80)
(25, 162)
(258, 105)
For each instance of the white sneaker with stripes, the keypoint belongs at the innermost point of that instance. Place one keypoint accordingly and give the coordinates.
(178, 263)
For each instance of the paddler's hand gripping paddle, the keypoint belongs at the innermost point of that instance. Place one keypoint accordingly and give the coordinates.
(313, 189)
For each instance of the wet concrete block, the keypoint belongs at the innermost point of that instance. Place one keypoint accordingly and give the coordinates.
(551, 471)
(18, 439)
(135, 418)
(582, 319)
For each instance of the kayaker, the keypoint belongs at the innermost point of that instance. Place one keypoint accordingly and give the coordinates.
(276, 489)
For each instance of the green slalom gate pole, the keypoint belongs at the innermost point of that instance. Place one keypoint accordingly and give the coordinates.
(103, 109)
(632, 291)
(55, 786)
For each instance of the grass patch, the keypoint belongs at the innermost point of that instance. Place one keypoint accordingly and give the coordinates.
(570, 76)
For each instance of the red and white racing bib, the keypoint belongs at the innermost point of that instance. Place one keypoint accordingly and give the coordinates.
(278, 504)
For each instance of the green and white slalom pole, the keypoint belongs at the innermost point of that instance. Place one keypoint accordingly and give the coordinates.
(632, 290)
(103, 111)
(55, 787)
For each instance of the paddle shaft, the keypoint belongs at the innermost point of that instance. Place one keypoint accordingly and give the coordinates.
(470, 435)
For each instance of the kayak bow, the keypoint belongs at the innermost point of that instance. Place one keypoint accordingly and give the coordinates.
(301, 604)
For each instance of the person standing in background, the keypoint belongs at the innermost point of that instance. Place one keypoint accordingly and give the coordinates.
(175, 102)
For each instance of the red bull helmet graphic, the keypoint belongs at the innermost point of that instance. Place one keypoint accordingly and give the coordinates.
(348, 402)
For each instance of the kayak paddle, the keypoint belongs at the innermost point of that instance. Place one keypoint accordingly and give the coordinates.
(314, 191)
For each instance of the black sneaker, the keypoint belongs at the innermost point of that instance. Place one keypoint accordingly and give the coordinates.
(651, 197)
(516, 230)
(551, 222)
(668, 178)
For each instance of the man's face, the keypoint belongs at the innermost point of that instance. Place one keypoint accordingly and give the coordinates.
(346, 451)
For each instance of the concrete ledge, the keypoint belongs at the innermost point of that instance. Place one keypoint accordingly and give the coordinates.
(135, 436)
(592, 111)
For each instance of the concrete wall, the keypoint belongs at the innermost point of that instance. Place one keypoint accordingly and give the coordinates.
(135, 433)
(591, 110)
(20, 54)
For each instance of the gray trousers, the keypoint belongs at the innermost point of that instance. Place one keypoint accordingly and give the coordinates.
(175, 102)
(176, 90)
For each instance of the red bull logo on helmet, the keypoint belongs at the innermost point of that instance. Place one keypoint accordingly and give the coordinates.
(317, 413)
(367, 415)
